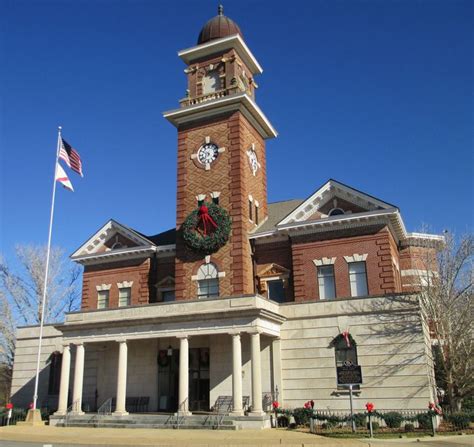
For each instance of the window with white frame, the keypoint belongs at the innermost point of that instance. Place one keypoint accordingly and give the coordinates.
(102, 299)
(358, 278)
(208, 281)
(125, 296)
(327, 286)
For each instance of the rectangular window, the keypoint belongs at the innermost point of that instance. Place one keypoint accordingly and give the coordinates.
(256, 214)
(54, 373)
(208, 288)
(103, 299)
(125, 295)
(327, 287)
(250, 210)
(276, 290)
(167, 295)
(358, 278)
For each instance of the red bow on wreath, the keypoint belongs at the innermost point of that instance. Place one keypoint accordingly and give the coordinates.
(345, 334)
(205, 223)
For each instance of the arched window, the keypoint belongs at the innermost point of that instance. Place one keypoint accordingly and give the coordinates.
(208, 281)
(336, 212)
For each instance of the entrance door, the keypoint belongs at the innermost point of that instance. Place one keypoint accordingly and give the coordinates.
(199, 379)
(168, 379)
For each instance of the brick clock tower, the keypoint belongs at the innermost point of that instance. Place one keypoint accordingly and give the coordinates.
(221, 163)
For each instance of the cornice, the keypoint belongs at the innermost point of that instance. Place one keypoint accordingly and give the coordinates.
(237, 102)
(189, 55)
(125, 254)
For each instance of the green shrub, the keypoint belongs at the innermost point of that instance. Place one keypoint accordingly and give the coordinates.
(393, 419)
(460, 420)
(424, 421)
(328, 425)
(360, 419)
(302, 415)
(375, 426)
(409, 427)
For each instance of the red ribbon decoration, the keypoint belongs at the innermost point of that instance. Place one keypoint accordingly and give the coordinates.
(370, 407)
(345, 334)
(206, 223)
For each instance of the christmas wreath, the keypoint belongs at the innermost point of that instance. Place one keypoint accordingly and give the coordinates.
(163, 359)
(207, 228)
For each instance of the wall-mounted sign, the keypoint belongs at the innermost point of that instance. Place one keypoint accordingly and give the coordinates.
(349, 374)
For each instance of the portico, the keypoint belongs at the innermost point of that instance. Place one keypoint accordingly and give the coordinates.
(244, 329)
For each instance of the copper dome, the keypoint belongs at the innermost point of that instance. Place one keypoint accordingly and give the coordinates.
(219, 26)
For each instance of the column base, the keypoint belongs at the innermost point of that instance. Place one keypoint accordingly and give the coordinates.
(120, 413)
(237, 413)
(33, 418)
(257, 413)
(77, 413)
(60, 413)
(183, 413)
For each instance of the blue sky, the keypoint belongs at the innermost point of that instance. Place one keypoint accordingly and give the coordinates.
(376, 94)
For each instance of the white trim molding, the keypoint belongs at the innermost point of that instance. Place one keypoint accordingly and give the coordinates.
(324, 261)
(124, 284)
(102, 287)
(189, 55)
(356, 258)
(238, 101)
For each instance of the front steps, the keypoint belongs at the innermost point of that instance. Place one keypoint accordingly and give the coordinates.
(162, 421)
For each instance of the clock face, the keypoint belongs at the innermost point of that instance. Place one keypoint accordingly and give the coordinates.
(207, 153)
(254, 164)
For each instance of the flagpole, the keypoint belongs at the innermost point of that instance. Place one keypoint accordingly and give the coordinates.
(45, 286)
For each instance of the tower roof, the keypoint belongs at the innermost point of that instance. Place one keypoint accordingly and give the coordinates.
(218, 27)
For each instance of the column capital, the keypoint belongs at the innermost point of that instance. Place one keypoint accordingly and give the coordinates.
(235, 333)
(121, 340)
(181, 337)
(79, 343)
(66, 346)
(255, 331)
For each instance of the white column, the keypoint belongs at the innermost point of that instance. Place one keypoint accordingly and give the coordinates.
(120, 409)
(237, 375)
(64, 384)
(183, 404)
(78, 380)
(256, 376)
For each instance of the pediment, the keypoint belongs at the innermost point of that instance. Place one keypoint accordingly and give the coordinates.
(272, 269)
(332, 199)
(112, 236)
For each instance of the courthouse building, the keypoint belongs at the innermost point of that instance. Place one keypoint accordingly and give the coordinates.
(248, 299)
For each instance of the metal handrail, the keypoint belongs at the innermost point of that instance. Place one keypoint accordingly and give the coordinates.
(181, 408)
(104, 410)
(70, 409)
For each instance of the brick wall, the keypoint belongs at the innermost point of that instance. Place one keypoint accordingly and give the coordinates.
(231, 175)
(379, 264)
(136, 271)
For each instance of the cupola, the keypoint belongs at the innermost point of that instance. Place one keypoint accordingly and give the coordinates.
(218, 27)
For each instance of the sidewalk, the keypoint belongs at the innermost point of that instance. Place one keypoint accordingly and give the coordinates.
(165, 438)
(108, 437)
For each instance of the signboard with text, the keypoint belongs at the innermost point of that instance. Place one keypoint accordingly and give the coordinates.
(349, 374)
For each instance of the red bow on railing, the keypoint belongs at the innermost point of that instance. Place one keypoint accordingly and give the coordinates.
(370, 407)
(345, 334)
(206, 224)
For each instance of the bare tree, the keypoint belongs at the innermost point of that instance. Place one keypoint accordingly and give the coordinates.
(24, 287)
(21, 294)
(447, 301)
(7, 346)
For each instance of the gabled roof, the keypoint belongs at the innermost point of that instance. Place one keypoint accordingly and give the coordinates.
(331, 189)
(276, 212)
(92, 251)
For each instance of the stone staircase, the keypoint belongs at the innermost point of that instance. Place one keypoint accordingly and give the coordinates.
(161, 421)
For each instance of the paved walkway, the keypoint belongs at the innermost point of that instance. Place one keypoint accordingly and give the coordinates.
(108, 437)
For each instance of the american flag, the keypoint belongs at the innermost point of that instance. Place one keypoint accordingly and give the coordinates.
(71, 157)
